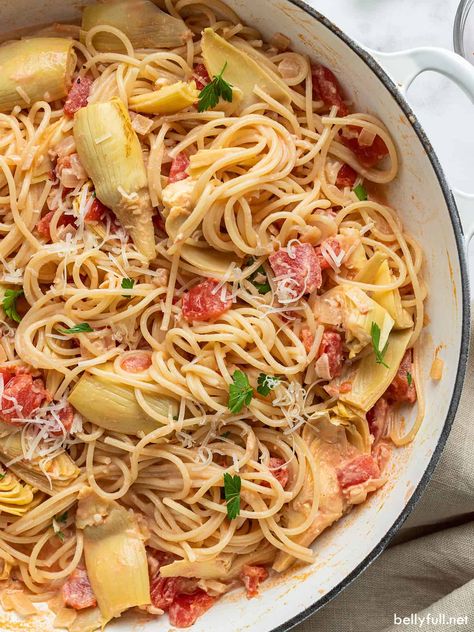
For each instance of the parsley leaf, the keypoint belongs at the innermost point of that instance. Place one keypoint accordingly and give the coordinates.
(232, 485)
(127, 284)
(9, 304)
(240, 392)
(266, 383)
(62, 517)
(225, 434)
(210, 94)
(2, 476)
(361, 193)
(77, 329)
(409, 378)
(379, 353)
(263, 288)
(60, 535)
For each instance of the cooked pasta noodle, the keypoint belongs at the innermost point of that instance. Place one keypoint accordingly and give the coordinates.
(216, 405)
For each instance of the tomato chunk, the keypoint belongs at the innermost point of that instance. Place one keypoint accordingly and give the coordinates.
(44, 225)
(252, 577)
(77, 592)
(327, 89)
(178, 168)
(201, 76)
(78, 95)
(98, 212)
(307, 338)
(334, 244)
(367, 155)
(279, 470)
(186, 609)
(331, 345)
(136, 362)
(357, 471)
(377, 418)
(22, 395)
(346, 177)
(206, 301)
(297, 271)
(400, 390)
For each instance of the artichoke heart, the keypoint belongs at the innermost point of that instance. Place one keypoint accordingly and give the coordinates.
(166, 100)
(391, 299)
(36, 69)
(114, 406)
(110, 152)
(145, 25)
(15, 497)
(114, 553)
(203, 569)
(370, 380)
(241, 70)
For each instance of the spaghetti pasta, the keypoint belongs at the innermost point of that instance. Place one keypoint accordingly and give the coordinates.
(208, 392)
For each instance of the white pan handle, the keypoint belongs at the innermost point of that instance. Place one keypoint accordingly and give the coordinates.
(404, 66)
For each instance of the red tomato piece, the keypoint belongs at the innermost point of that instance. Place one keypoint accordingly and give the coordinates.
(78, 95)
(156, 559)
(66, 416)
(44, 225)
(186, 609)
(136, 362)
(279, 470)
(204, 302)
(163, 591)
(201, 76)
(367, 155)
(7, 373)
(300, 264)
(331, 345)
(77, 592)
(336, 247)
(252, 577)
(98, 212)
(22, 395)
(377, 418)
(357, 471)
(346, 177)
(178, 168)
(159, 222)
(327, 89)
(307, 338)
(400, 390)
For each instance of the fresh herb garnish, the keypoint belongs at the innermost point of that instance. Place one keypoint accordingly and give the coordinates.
(232, 485)
(56, 528)
(77, 329)
(409, 378)
(361, 193)
(2, 476)
(9, 304)
(263, 288)
(266, 383)
(225, 434)
(379, 353)
(127, 284)
(240, 392)
(62, 517)
(210, 94)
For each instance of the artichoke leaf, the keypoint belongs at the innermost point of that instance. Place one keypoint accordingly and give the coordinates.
(203, 569)
(391, 299)
(368, 272)
(166, 100)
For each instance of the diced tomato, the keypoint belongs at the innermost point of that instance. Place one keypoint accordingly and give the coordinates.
(326, 88)
(136, 362)
(377, 418)
(346, 177)
(178, 168)
(204, 302)
(307, 338)
(66, 415)
(159, 222)
(252, 577)
(21, 396)
(357, 471)
(44, 225)
(334, 244)
(367, 155)
(7, 373)
(300, 265)
(331, 345)
(201, 76)
(77, 592)
(98, 212)
(78, 95)
(279, 470)
(164, 590)
(400, 390)
(186, 609)
(382, 453)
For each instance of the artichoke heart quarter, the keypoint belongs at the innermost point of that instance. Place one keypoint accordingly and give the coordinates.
(110, 151)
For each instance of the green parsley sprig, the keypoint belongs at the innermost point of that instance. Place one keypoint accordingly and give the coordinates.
(409, 378)
(267, 383)
(232, 486)
(217, 88)
(9, 304)
(361, 193)
(127, 284)
(240, 392)
(263, 288)
(81, 328)
(379, 353)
